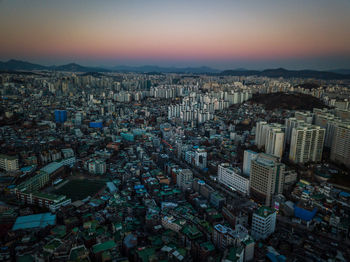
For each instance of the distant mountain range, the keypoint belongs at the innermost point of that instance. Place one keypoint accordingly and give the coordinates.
(281, 72)
(17, 65)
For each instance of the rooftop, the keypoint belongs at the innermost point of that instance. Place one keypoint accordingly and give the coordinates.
(103, 246)
(33, 221)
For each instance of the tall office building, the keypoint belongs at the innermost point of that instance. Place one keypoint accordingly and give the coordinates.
(340, 151)
(307, 144)
(263, 223)
(266, 178)
(249, 155)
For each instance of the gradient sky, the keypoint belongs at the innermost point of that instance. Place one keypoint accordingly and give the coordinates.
(223, 33)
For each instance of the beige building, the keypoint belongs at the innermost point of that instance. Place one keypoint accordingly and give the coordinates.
(340, 151)
(9, 163)
(266, 178)
(307, 144)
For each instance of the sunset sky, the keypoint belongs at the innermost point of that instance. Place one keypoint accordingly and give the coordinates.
(222, 34)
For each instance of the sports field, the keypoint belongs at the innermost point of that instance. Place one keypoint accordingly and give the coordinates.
(78, 189)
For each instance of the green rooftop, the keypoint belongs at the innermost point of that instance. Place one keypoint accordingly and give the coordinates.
(146, 253)
(77, 252)
(191, 232)
(208, 246)
(53, 245)
(103, 246)
(264, 211)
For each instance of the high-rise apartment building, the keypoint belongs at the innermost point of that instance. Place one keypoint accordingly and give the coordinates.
(260, 134)
(307, 117)
(249, 155)
(307, 144)
(274, 141)
(270, 137)
(266, 178)
(291, 123)
(340, 151)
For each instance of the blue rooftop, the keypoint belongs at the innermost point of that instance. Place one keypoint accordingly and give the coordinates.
(344, 194)
(272, 257)
(27, 168)
(34, 221)
(304, 214)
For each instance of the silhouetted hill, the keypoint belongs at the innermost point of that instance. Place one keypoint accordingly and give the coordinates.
(20, 65)
(17, 65)
(294, 101)
(341, 71)
(73, 67)
(157, 69)
(239, 73)
(281, 72)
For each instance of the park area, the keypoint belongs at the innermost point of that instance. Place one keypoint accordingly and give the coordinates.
(78, 189)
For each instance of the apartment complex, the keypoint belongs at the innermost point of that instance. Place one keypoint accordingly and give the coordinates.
(270, 137)
(8, 163)
(340, 151)
(307, 144)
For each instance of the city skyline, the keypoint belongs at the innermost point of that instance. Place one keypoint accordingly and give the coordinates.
(222, 35)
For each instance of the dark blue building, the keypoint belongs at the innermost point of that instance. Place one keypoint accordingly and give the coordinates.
(96, 124)
(60, 116)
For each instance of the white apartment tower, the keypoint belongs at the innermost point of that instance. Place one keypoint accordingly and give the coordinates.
(307, 144)
(340, 151)
(291, 123)
(274, 142)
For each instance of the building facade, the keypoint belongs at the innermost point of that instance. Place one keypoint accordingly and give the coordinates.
(232, 178)
(266, 178)
(263, 223)
(307, 144)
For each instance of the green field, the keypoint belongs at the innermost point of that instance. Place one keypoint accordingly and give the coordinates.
(80, 188)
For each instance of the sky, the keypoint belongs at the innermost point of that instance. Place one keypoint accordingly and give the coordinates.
(223, 34)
